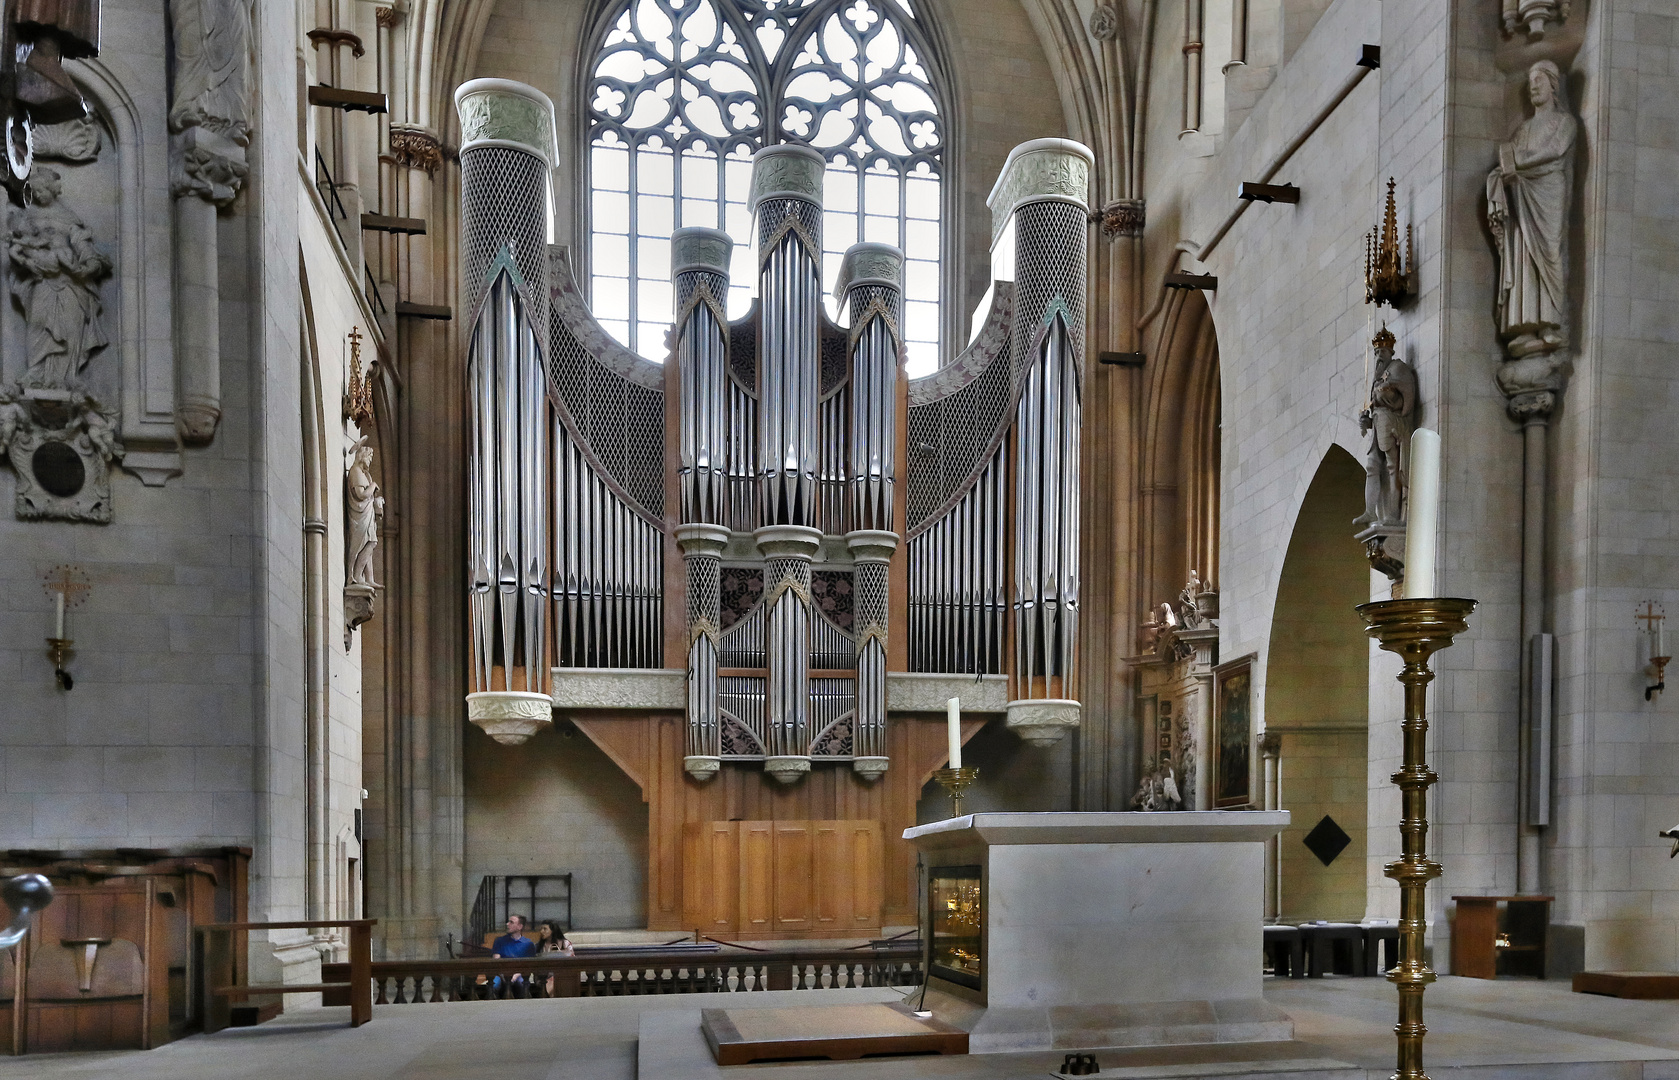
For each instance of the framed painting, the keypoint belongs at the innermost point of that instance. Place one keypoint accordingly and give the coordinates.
(1233, 734)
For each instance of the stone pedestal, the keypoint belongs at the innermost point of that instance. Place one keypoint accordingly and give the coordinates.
(1111, 929)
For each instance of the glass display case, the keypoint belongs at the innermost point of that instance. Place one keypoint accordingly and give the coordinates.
(956, 920)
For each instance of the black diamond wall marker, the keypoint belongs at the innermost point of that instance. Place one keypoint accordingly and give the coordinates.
(1327, 840)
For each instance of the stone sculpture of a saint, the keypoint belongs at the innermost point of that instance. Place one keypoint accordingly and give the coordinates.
(57, 271)
(1528, 196)
(1388, 420)
(366, 510)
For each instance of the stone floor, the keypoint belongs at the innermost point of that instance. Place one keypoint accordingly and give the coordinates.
(1343, 1031)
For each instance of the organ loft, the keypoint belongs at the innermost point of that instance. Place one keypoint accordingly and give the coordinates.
(756, 574)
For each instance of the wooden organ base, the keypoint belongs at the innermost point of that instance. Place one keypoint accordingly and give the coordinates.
(773, 832)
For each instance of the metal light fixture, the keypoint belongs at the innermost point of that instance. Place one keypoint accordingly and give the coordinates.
(1654, 619)
(68, 587)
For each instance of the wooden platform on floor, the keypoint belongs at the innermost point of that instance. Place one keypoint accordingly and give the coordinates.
(837, 1032)
(1634, 985)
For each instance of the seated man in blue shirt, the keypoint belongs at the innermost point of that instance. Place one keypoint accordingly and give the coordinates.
(513, 945)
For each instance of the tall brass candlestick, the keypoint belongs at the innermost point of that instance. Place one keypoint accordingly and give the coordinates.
(1415, 629)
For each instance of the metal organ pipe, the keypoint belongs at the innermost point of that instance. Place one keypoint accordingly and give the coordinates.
(787, 199)
(700, 266)
(1044, 187)
(507, 150)
(871, 282)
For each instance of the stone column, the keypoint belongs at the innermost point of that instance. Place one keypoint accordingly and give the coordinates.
(1042, 196)
(209, 119)
(507, 151)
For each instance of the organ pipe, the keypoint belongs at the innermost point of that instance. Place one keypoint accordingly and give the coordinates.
(787, 200)
(506, 151)
(700, 266)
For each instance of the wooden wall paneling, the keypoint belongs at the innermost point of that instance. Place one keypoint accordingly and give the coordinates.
(831, 876)
(794, 877)
(13, 974)
(710, 875)
(757, 878)
(112, 1014)
(862, 846)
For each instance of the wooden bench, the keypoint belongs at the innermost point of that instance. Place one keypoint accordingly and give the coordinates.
(219, 989)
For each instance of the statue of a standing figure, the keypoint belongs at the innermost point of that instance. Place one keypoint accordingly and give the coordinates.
(1388, 419)
(1527, 207)
(367, 510)
(58, 272)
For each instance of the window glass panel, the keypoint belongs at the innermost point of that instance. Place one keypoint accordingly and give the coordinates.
(691, 74)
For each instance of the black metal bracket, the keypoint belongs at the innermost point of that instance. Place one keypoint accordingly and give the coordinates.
(410, 226)
(1370, 57)
(331, 97)
(424, 311)
(1268, 193)
(1181, 280)
(1122, 359)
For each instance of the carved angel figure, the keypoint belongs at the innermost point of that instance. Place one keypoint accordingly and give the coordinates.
(367, 510)
(1528, 197)
(58, 272)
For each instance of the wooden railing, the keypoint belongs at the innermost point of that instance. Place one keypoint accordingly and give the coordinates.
(220, 986)
(402, 982)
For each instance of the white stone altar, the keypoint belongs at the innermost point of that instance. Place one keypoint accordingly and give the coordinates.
(1110, 929)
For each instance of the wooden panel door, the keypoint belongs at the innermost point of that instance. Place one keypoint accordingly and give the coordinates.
(794, 877)
(831, 882)
(72, 1007)
(863, 848)
(711, 875)
(757, 877)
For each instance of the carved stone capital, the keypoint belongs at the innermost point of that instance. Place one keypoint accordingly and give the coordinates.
(416, 147)
(787, 171)
(510, 716)
(196, 419)
(702, 767)
(1104, 23)
(1122, 217)
(1384, 546)
(871, 545)
(1533, 383)
(359, 604)
(702, 539)
(787, 769)
(1042, 170)
(695, 247)
(1043, 721)
(788, 541)
(869, 264)
(870, 768)
(500, 112)
(207, 165)
(1270, 744)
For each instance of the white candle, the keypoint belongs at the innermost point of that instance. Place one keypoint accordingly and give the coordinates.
(1661, 637)
(1424, 513)
(953, 715)
(58, 615)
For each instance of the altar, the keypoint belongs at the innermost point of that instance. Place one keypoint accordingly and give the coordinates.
(1078, 930)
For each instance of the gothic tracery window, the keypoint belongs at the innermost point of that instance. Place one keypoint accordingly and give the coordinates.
(682, 92)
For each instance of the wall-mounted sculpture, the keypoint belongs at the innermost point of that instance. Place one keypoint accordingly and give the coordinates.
(1388, 418)
(365, 512)
(210, 122)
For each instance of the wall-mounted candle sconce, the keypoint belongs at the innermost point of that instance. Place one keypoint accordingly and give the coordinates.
(1653, 619)
(68, 587)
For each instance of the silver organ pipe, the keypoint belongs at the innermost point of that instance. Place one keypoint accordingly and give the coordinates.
(871, 284)
(787, 199)
(1044, 188)
(700, 266)
(507, 149)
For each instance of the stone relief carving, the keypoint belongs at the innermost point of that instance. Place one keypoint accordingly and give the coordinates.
(494, 114)
(211, 110)
(73, 140)
(798, 174)
(1388, 419)
(1050, 171)
(365, 507)
(57, 270)
(1104, 23)
(60, 442)
(1528, 196)
(416, 147)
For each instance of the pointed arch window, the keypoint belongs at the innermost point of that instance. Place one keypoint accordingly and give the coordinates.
(682, 92)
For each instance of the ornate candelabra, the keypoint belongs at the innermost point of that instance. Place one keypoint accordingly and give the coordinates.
(1415, 629)
(956, 781)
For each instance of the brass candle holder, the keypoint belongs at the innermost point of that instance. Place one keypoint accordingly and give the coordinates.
(59, 649)
(956, 781)
(1415, 629)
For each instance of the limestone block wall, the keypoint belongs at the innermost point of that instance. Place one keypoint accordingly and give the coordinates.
(558, 805)
(1616, 465)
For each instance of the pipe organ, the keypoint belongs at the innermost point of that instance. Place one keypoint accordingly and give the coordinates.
(807, 479)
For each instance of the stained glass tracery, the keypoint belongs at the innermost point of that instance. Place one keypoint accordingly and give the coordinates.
(684, 91)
